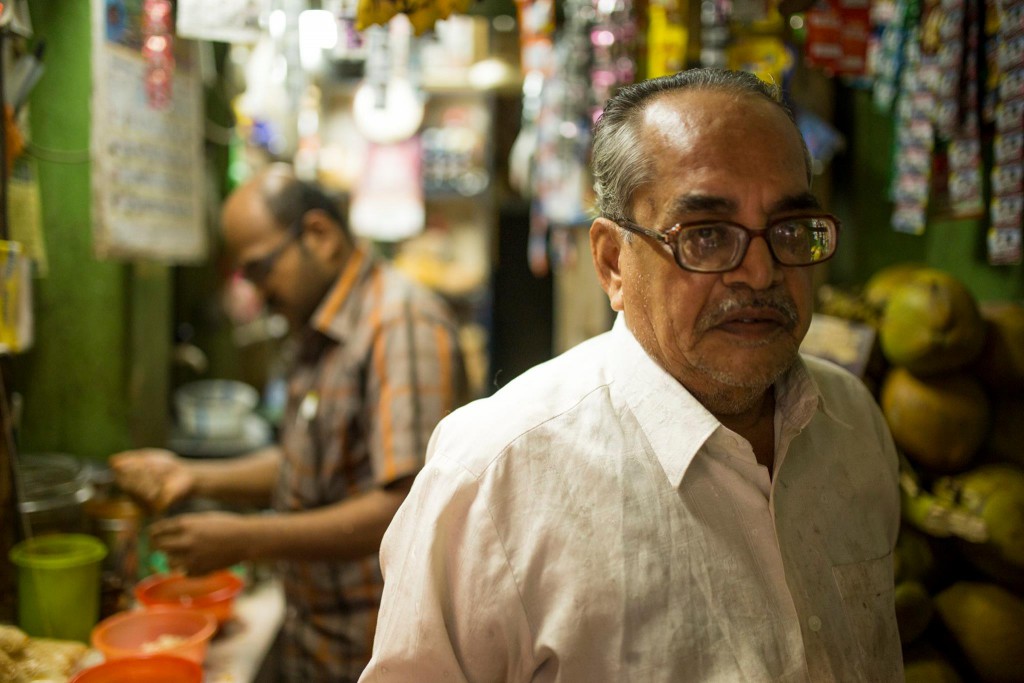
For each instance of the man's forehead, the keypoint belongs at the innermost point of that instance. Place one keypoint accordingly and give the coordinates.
(696, 145)
(678, 123)
(247, 219)
(707, 109)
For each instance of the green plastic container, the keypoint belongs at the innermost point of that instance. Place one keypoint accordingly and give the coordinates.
(59, 585)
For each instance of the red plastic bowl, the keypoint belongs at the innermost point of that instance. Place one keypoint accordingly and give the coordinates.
(155, 669)
(214, 592)
(133, 633)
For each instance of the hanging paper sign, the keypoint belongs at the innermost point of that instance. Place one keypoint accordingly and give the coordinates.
(146, 137)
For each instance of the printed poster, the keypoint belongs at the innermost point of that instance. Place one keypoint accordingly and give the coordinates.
(147, 136)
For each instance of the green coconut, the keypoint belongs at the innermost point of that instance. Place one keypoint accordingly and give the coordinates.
(993, 494)
(985, 621)
(914, 610)
(880, 286)
(914, 558)
(931, 324)
(940, 422)
(922, 663)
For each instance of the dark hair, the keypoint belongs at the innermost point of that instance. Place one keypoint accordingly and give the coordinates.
(293, 198)
(619, 164)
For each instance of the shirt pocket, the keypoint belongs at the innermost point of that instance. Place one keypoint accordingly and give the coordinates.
(866, 589)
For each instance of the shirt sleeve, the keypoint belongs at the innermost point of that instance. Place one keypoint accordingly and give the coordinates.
(415, 379)
(450, 609)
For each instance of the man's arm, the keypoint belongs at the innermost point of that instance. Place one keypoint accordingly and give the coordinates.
(349, 530)
(249, 479)
(159, 478)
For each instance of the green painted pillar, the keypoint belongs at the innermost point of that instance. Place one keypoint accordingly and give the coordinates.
(96, 380)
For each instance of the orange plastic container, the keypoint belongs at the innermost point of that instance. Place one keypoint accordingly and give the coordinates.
(214, 592)
(155, 669)
(176, 631)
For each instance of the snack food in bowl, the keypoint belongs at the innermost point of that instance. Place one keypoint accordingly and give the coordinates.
(154, 669)
(213, 592)
(176, 631)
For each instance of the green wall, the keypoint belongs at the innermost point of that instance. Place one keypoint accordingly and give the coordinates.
(96, 380)
(868, 243)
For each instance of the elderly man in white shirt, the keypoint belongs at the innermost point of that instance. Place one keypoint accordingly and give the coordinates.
(684, 498)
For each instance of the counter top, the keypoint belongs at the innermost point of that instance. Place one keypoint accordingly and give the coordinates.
(238, 651)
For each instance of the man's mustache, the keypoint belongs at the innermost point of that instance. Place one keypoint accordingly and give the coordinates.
(778, 301)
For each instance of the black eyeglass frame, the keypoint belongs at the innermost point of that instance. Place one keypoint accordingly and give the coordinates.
(670, 238)
(258, 270)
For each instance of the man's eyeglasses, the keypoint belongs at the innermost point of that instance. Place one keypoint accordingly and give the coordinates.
(720, 246)
(258, 270)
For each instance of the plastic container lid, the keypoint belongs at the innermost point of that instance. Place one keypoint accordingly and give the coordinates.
(58, 551)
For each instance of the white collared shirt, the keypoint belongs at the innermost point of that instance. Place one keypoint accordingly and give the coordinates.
(593, 522)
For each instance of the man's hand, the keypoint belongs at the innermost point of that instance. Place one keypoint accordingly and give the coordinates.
(155, 476)
(202, 543)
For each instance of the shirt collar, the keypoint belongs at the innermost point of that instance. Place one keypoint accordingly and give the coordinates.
(799, 396)
(336, 315)
(665, 410)
(674, 422)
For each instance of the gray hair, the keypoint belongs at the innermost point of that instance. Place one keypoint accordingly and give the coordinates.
(619, 164)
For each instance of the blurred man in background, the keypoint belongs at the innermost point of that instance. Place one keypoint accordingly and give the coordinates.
(376, 365)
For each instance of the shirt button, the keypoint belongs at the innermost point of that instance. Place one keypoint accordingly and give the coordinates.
(814, 623)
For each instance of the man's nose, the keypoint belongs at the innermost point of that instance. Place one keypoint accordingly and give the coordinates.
(758, 269)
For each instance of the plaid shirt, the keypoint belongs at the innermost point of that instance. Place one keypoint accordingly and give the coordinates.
(377, 371)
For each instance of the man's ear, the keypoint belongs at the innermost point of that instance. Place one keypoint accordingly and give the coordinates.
(606, 247)
(323, 237)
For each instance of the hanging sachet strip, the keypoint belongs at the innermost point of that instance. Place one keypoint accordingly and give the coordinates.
(915, 141)
(886, 63)
(966, 169)
(1006, 210)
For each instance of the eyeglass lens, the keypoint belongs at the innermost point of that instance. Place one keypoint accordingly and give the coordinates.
(794, 242)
